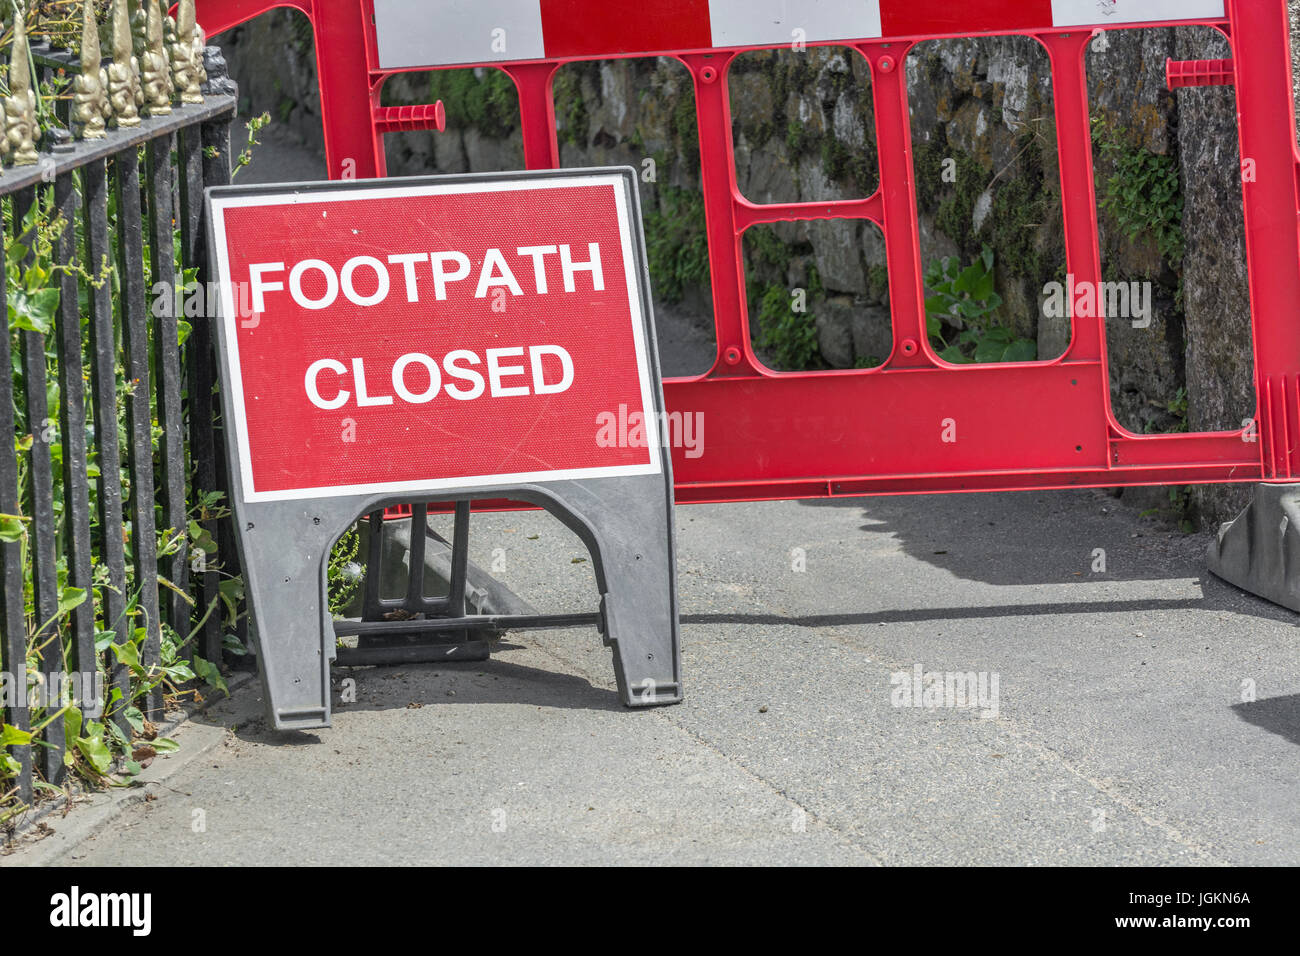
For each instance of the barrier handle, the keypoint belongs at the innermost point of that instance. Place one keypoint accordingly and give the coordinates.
(1181, 73)
(405, 119)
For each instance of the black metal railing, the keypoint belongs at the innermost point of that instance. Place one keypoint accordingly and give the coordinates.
(113, 554)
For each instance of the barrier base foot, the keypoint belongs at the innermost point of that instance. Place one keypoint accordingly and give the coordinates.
(1259, 550)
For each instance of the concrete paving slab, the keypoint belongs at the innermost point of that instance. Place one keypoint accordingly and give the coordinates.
(1121, 735)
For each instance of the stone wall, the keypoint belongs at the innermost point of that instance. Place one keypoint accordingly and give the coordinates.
(986, 173)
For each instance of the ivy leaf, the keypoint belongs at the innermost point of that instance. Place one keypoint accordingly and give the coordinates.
(990, 350)
(1021, 350)
(71, 724)
(11, 736)
(96, 752)
(937, 303)
(33, 311)
(135, 718)
(70, 598)
(129, 654)
(11, 528)
(970, 278)
(180, 671)
(211, 674)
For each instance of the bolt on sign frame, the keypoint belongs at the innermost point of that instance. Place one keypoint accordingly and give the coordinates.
(1041, 424)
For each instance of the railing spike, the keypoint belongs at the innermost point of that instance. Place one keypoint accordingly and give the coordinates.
(21, 130)
(186, 54)
(90, 109)
(155, 71)
(124, 92)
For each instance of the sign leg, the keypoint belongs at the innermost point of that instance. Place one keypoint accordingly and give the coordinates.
(285, 547)
(627, 525)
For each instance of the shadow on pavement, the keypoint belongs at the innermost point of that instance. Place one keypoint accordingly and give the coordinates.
(494, 681)
(1278, 715)
(914, 615)
(1046, 537)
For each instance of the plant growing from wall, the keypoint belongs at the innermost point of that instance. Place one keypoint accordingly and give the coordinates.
(958, 308)
(483, 99)
(676, 243)
(788, 336)
(1144, 193)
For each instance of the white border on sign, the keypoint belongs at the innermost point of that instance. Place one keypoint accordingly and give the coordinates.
(234, 376)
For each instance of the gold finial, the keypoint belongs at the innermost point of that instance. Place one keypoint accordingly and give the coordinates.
(90, 87)
(185, 18)
(157, 79)
(21, 130)
(124, 92)
(186, 55)
(139, 29)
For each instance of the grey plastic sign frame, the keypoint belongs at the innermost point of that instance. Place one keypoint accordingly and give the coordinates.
(625, 521)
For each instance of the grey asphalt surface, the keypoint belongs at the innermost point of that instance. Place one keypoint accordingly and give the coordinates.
(1121, 737)
(1124, 732)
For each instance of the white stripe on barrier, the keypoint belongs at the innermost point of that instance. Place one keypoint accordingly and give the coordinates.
(759, 22)
(414, 33)
(1069, 13)
(439, 32)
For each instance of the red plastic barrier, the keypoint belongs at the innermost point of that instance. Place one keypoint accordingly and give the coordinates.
(1043, 424)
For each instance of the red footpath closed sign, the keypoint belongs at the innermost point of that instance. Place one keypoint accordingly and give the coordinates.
(384, 338)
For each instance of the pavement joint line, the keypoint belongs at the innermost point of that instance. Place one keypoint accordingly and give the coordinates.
(1132, 806)
(89, 816)
(840, 836)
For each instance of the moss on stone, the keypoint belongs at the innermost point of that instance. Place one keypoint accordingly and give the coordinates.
(481, 99)
(571, 121)
(878, 283)
(676, 242)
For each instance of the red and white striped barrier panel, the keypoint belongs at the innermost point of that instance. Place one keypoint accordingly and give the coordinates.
(415, 33)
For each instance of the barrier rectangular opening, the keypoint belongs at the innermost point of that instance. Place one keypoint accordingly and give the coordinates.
(1169, 212)
(988, 195)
